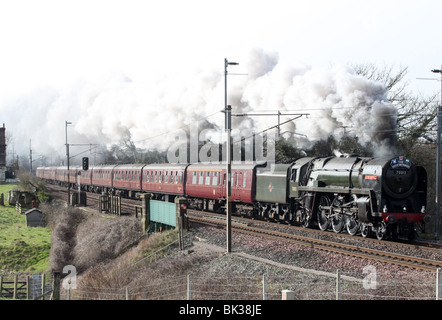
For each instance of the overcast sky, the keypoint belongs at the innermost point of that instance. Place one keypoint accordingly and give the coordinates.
(47, 43)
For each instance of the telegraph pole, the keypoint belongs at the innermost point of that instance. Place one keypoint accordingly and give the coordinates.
(30, 155)
(438, 182)
(228, 125)
(67, 158)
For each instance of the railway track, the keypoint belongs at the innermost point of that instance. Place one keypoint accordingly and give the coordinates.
(243, 225)
(330, 246)
(127, 205)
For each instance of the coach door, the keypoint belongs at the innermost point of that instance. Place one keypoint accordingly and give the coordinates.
(236, 187)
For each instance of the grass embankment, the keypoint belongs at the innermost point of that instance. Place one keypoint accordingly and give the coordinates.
(21, 248)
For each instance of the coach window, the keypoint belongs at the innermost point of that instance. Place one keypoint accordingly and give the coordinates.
(215, 179)
(244, 180)
(208, 178)
(194, 177)
(201, 178)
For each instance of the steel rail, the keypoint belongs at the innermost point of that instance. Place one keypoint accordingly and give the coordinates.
(346, 249)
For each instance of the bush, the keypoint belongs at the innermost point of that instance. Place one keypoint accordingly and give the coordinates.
(64, 222)
(100, 240)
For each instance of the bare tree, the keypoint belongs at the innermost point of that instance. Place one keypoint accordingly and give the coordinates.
(416, 114)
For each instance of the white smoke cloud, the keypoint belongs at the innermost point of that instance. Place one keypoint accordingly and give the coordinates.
(104, 108)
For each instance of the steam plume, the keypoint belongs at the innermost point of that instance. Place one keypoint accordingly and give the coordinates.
(104, 109)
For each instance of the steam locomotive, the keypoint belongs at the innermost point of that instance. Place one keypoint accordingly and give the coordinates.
(386, 196)
(361, 195)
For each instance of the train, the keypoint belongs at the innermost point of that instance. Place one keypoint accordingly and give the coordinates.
(385, 197)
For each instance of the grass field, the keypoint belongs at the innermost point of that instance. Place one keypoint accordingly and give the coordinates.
(21, 248)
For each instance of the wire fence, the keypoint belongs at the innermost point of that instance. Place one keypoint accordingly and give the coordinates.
(412, 285)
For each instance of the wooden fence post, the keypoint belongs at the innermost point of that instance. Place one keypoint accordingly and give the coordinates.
(43, 280)
(14, 295)
(56, 286)
(28, 287)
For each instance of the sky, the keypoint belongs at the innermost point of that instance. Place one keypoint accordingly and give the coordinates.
(66, 60)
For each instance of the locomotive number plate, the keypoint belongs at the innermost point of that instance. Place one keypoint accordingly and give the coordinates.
(400, 172)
